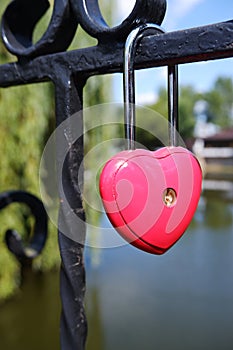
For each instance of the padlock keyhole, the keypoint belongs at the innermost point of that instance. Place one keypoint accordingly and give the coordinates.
(169, 197)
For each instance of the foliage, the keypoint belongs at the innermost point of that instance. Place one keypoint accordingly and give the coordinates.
(27, 119)
(187, 99)
(26, 116)
(219, 105)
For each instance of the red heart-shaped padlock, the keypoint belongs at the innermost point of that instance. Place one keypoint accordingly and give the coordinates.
(151, 197)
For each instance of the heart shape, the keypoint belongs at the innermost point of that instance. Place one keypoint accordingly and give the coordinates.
(150, 197)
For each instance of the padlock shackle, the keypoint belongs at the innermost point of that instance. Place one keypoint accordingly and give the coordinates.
(129, 87)
(173, 103)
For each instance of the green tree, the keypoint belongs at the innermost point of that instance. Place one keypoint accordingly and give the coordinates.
(187, 99)
(26, 116)
(218, 98)
(220, 104)
(27, 119)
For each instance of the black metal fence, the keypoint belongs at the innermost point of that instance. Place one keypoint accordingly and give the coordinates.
(48, 60)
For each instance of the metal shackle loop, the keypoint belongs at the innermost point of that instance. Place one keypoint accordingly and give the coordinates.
(129, 87)
(173, 103)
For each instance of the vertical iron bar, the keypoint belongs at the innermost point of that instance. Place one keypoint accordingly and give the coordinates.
(72, 275)
(173, 103)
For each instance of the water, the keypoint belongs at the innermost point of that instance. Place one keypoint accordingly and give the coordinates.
(30, 321)
(181, 300)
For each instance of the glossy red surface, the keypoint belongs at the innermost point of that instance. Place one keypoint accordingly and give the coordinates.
(151, 197)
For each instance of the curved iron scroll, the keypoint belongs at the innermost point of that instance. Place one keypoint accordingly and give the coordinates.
(24, 251)
(21, 17)
(90, 18)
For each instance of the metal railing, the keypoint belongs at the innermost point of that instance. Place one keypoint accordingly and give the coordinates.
(48, 60)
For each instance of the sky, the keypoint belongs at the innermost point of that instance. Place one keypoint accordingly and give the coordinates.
(181, 14)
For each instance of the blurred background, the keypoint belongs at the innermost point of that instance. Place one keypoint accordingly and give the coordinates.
(182, 300)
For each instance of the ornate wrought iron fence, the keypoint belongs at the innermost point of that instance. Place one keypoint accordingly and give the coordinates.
(48, 60)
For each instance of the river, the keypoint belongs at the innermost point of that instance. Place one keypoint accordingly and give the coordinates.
(182, 300)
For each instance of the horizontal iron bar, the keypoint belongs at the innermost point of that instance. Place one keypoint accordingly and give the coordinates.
(192, 45)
